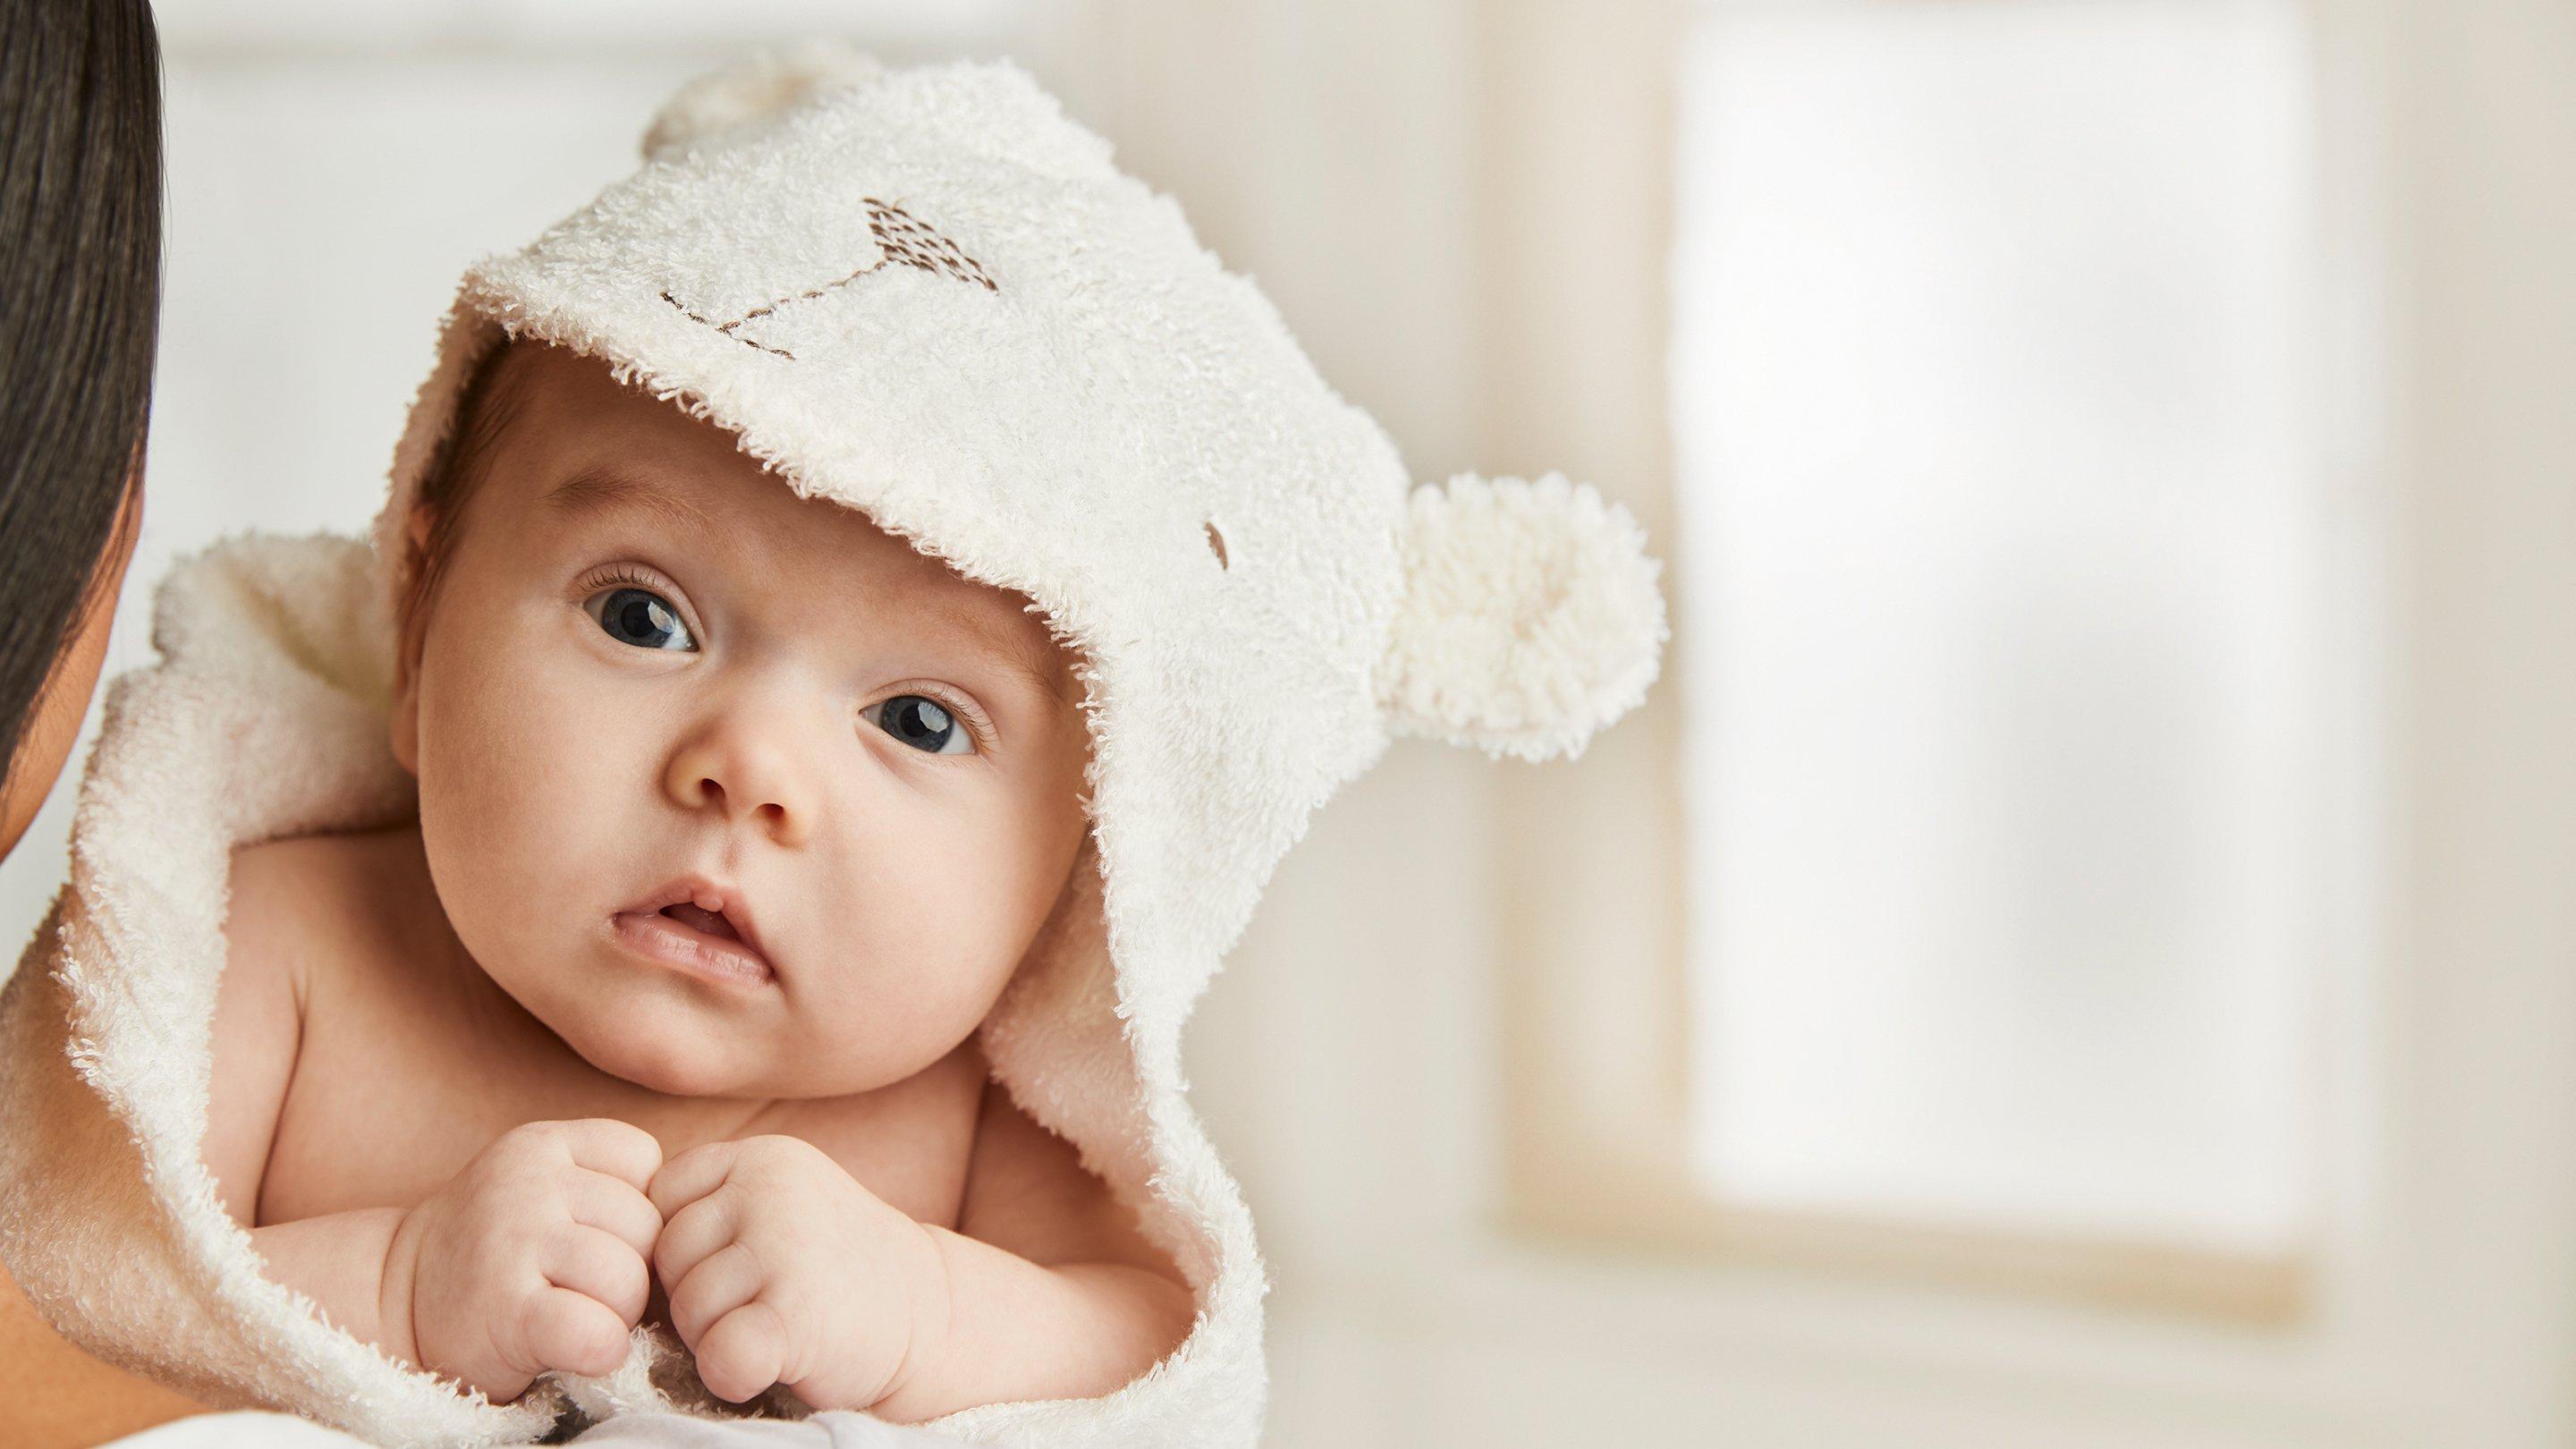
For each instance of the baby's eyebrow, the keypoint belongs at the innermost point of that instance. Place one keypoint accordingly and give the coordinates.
(1037, 664)
(598, 488)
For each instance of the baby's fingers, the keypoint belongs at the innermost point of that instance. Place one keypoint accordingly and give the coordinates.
(598, 1200)
(596, 1264)
(692, 1233)
(692, 1175)
(729, 1278)
(571, 1331)
(743, 1352)
(621, 1149)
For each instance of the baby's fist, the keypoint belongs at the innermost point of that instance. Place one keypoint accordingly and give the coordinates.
(533, 1258)
(782, 1269)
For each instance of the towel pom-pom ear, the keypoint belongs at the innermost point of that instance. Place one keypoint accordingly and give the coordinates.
(761, 88)
(1531, 617)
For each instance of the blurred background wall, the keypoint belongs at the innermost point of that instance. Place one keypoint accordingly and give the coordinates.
(2077, 951)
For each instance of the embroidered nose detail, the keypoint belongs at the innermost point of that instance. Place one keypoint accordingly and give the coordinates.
(916, 243)
(900, 236)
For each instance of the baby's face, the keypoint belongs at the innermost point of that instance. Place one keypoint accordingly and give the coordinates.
(736, 792)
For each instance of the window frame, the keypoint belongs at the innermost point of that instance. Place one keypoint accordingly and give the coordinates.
(1593, 972)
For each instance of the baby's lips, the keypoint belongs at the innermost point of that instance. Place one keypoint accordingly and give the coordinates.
(692, 898)
(674, 942)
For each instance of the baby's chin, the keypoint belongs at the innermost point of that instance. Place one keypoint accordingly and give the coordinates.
(673, 1049)
(666, 1061)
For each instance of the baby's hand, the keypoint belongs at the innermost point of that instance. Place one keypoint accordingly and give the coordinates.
(532, 1258)
(782, 1269)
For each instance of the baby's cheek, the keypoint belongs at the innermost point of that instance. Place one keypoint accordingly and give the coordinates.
(494, 787)
(519, 809)
(954, 917)
(862, 1025)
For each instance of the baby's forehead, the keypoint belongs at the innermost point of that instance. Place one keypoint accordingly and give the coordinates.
(594, 452)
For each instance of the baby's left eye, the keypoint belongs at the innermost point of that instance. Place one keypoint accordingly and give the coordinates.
(923, 723)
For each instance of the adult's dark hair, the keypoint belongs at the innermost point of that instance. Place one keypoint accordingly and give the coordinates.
(80, 302)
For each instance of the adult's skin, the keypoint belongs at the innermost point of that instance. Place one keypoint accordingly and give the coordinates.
(80, 260)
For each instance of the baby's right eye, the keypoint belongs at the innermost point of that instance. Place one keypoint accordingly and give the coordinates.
(640, 617)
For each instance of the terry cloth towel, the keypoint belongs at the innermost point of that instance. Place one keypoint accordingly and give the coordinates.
(927, 295)
(260, 1430)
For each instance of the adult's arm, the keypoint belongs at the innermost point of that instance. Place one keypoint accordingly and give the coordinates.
(57, 1397)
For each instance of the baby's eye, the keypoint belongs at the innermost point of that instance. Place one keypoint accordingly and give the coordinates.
(924, 724)
(640, 617)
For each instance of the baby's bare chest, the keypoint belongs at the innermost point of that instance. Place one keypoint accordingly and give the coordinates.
(398, 1085)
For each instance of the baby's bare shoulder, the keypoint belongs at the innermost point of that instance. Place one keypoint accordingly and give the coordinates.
(347, 863)
(322, 900)
(306, 917)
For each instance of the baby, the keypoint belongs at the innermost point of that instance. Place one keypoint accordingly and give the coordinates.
(736, 815)
(862, 608)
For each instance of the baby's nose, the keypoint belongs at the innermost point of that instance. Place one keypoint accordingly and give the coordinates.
(742, 778)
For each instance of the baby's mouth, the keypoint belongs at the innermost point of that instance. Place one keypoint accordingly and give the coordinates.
(693, 926)
(699, 918)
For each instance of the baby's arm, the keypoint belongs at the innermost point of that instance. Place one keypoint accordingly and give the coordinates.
(531, 1258)
(781, 1268)
(270, 934)
(1052, 1291)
